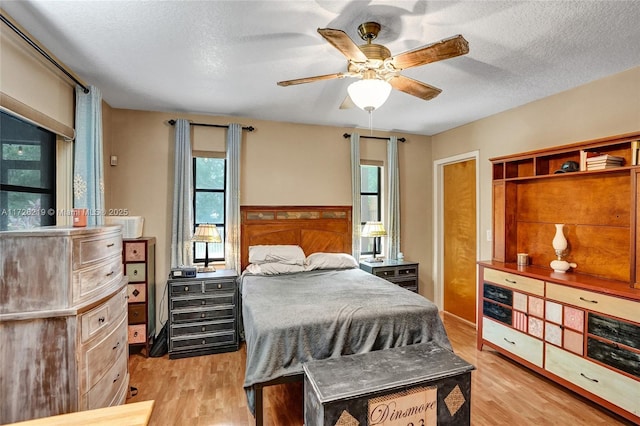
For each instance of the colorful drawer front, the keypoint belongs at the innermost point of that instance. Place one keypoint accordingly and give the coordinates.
(137, 293)
(137, 313)
(137, 333)
(134, 252)
(136, 272)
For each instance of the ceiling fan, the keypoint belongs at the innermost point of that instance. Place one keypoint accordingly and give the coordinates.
(376, 69)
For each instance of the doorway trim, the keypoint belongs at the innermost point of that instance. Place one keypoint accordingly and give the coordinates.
(438, 220)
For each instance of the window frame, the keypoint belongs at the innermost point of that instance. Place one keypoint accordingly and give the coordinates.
(222, 224)
(377, 241)
(47, 142)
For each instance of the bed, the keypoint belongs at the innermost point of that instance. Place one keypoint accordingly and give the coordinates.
(290, 318)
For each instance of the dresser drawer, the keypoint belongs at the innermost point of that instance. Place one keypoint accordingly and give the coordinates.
(107, 388)
(202, 327)
(187, 288)
(90, 280)
(614, 306)
(407, 271)
(220, 312)
(614, 330)
(98, 357)
(526, 347)
(134, 252)
(137, 293)
(136, 272)
(88, 250)
(607, 384)
(137, 313)
(203, 301)
(386, 273)
(516, 282)
(407, 283)
(203, 341)
(137, 333)
(614, 356)
(103, 316)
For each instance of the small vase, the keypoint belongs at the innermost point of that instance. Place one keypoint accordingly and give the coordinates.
(559, 241)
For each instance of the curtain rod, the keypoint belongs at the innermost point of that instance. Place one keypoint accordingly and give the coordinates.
(42, 52)
(347, 135)
(226, 126)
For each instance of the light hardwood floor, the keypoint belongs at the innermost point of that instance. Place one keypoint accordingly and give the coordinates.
(207, 390)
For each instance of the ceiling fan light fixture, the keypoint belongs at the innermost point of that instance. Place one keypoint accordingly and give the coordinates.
(369, 94)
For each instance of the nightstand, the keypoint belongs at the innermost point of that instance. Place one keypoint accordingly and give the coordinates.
(400, 272)
(203, 314)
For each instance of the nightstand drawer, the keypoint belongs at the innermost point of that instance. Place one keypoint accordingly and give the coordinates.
(215, 286)
(407, 271)
(385, 273)
(214, 339)
(407, 283)
(186, 288)
(219, 312)
(204, 301)
(203, 327)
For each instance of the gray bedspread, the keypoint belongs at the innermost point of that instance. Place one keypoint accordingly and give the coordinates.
(290, 319)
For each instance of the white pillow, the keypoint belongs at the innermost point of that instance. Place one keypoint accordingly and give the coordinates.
(289, 254)
(273, 268)
(330, 261)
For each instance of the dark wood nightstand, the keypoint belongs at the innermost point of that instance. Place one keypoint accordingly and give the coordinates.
(401, 272)
(203, 314)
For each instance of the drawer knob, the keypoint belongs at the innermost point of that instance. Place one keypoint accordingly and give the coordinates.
(509, 341)
(219, 285)
(135, 272)
(135, 334)
(110, 273)
(587, 300)
(204, 341)
(101, 320)
(116, 379)
(204, 328)
(204, 302)
(202, 315)
(116, 346)
(135, 251)
(186, 288)
(589, 378)
(111, 245)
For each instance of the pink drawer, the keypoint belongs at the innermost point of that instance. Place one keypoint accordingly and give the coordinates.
(137, 293)
(134, 252)
(137, 333)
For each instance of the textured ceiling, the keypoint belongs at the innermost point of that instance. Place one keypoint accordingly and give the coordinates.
(225, 57)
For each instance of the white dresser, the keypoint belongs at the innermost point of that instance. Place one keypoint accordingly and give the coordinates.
(63, 321)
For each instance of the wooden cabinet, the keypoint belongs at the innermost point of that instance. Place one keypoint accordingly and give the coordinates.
(401, 272)
(138, 257)
(63, 321)
(580, 328)
(203, 314)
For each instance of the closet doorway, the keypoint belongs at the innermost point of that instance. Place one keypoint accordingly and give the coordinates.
(456, 233)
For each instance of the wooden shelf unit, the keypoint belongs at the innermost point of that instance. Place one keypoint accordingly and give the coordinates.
(598, 207)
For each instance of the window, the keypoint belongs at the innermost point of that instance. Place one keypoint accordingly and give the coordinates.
(209, 195)
(370, 205)
(27, 175)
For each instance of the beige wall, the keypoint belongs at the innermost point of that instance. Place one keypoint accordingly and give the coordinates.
(606, 107)
(281, 164)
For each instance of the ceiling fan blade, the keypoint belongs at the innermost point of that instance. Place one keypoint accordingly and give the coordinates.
(414, 87)
(311, 79)
(341, 41)
(444, 49)
(347, 103)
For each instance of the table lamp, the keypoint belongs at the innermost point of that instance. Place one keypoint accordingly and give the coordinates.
(207, 233)
(374, 230)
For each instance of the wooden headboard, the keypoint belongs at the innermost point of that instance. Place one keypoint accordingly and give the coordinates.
(314, 228)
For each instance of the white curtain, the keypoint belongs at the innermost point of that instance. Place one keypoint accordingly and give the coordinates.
(355, 195)
(232, 220)
(88, 174)
(393, 214)
(182, 220)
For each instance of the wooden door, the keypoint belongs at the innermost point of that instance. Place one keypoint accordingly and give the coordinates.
(459, 239)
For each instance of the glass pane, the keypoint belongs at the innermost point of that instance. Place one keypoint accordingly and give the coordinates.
(369, 179)
(26, 210)
(209, 173)
(216, 250)
(369, 208)
(209, 207)
(19, 177)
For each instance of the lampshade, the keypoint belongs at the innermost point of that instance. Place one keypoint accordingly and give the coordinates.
(207, 233)
(373, 229)
(369, 94)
